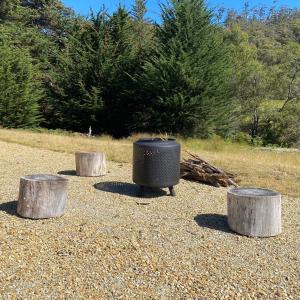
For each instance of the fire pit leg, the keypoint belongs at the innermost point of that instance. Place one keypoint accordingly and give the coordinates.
(172, 191)
(141, 191)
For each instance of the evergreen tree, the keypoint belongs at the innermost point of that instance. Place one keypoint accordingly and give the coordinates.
(141, 44)
(141, 35)
(117, 103)
(139, 10)
(95, 87)
(41, 29)
(93, 75)
(51, 17)
(19, 92)
(184, 84)
(121, 73)
(77, 90)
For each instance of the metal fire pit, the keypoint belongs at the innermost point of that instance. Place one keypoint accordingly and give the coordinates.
(156, 163)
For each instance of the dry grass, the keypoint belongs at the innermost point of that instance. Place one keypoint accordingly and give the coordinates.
(254, 167)
(117, 150)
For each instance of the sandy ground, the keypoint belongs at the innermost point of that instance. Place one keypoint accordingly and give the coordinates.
(112, 245)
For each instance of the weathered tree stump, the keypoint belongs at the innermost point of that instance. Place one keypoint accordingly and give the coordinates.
(254, 211)
(89, 164)
(42, 196)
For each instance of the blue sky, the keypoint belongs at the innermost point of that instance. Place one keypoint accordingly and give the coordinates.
(83, 6)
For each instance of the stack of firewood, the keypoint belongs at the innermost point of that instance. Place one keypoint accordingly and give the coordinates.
(197, 169)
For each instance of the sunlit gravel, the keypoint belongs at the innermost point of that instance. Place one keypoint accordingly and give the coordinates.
(110, 244)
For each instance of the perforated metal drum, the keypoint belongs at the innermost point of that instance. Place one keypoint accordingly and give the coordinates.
(156, 163)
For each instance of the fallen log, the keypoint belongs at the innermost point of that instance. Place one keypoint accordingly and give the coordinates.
(196, 169)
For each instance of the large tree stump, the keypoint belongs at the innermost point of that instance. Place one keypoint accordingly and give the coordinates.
(254, 212)
(42, 196)
(90, 164)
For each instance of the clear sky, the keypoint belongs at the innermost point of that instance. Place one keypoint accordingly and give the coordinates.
(83, 6)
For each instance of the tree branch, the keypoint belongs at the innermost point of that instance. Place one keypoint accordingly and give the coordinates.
(289, 96)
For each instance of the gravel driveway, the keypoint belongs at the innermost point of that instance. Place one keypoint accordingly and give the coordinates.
(112, 245)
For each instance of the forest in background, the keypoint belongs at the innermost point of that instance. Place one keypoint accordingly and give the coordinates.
(196, 73)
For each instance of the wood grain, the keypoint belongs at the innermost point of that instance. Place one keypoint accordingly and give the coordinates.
(254, 212)
(89, 164)
(42, 196)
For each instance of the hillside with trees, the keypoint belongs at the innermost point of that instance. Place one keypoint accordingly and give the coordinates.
(195, 73)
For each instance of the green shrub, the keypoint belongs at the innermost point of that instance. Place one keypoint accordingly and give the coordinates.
(19, 92)
(281, 128)
(242, 138)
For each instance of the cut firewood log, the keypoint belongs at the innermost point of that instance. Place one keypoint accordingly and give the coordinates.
(197, 169)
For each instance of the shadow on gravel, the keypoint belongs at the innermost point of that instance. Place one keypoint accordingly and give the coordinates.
(213, 221)
(128, 189)
(67, 173)
(9, 207)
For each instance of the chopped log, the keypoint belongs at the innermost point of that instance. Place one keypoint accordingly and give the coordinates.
(197, 169)
(90, 164)
(42, 196)
(254, 212)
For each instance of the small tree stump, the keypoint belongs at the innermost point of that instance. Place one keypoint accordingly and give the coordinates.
(254, 212)
(90, 164)
(42, 196)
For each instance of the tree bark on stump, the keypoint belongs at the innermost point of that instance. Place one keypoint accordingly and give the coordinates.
(90, 164)
(254, 212)
(42, 196)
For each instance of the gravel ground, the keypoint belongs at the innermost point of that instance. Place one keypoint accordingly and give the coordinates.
(112, 245)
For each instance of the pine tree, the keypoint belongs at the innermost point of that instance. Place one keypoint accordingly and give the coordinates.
(93, 75)
(7, 9)
(40, 28)
(184, 84)
(76, 94)
(138, 36)
(19, 92)
(141, 36)
(139, 10)
(51, 17)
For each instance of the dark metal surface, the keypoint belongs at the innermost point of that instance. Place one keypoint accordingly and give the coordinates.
(156, 163)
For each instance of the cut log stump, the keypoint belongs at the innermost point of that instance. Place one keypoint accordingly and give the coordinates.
(42, 196)
(254, 212)
(90, 164)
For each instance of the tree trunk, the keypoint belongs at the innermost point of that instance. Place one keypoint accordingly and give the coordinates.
(254, 212)
(42, 196)
(255, 123)
(90, 164)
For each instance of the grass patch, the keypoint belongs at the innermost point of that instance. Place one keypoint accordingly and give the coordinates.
(254, 167)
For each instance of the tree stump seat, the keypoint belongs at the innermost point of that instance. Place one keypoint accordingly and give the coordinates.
(90, 164)
(42, 196)
(254, 211)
